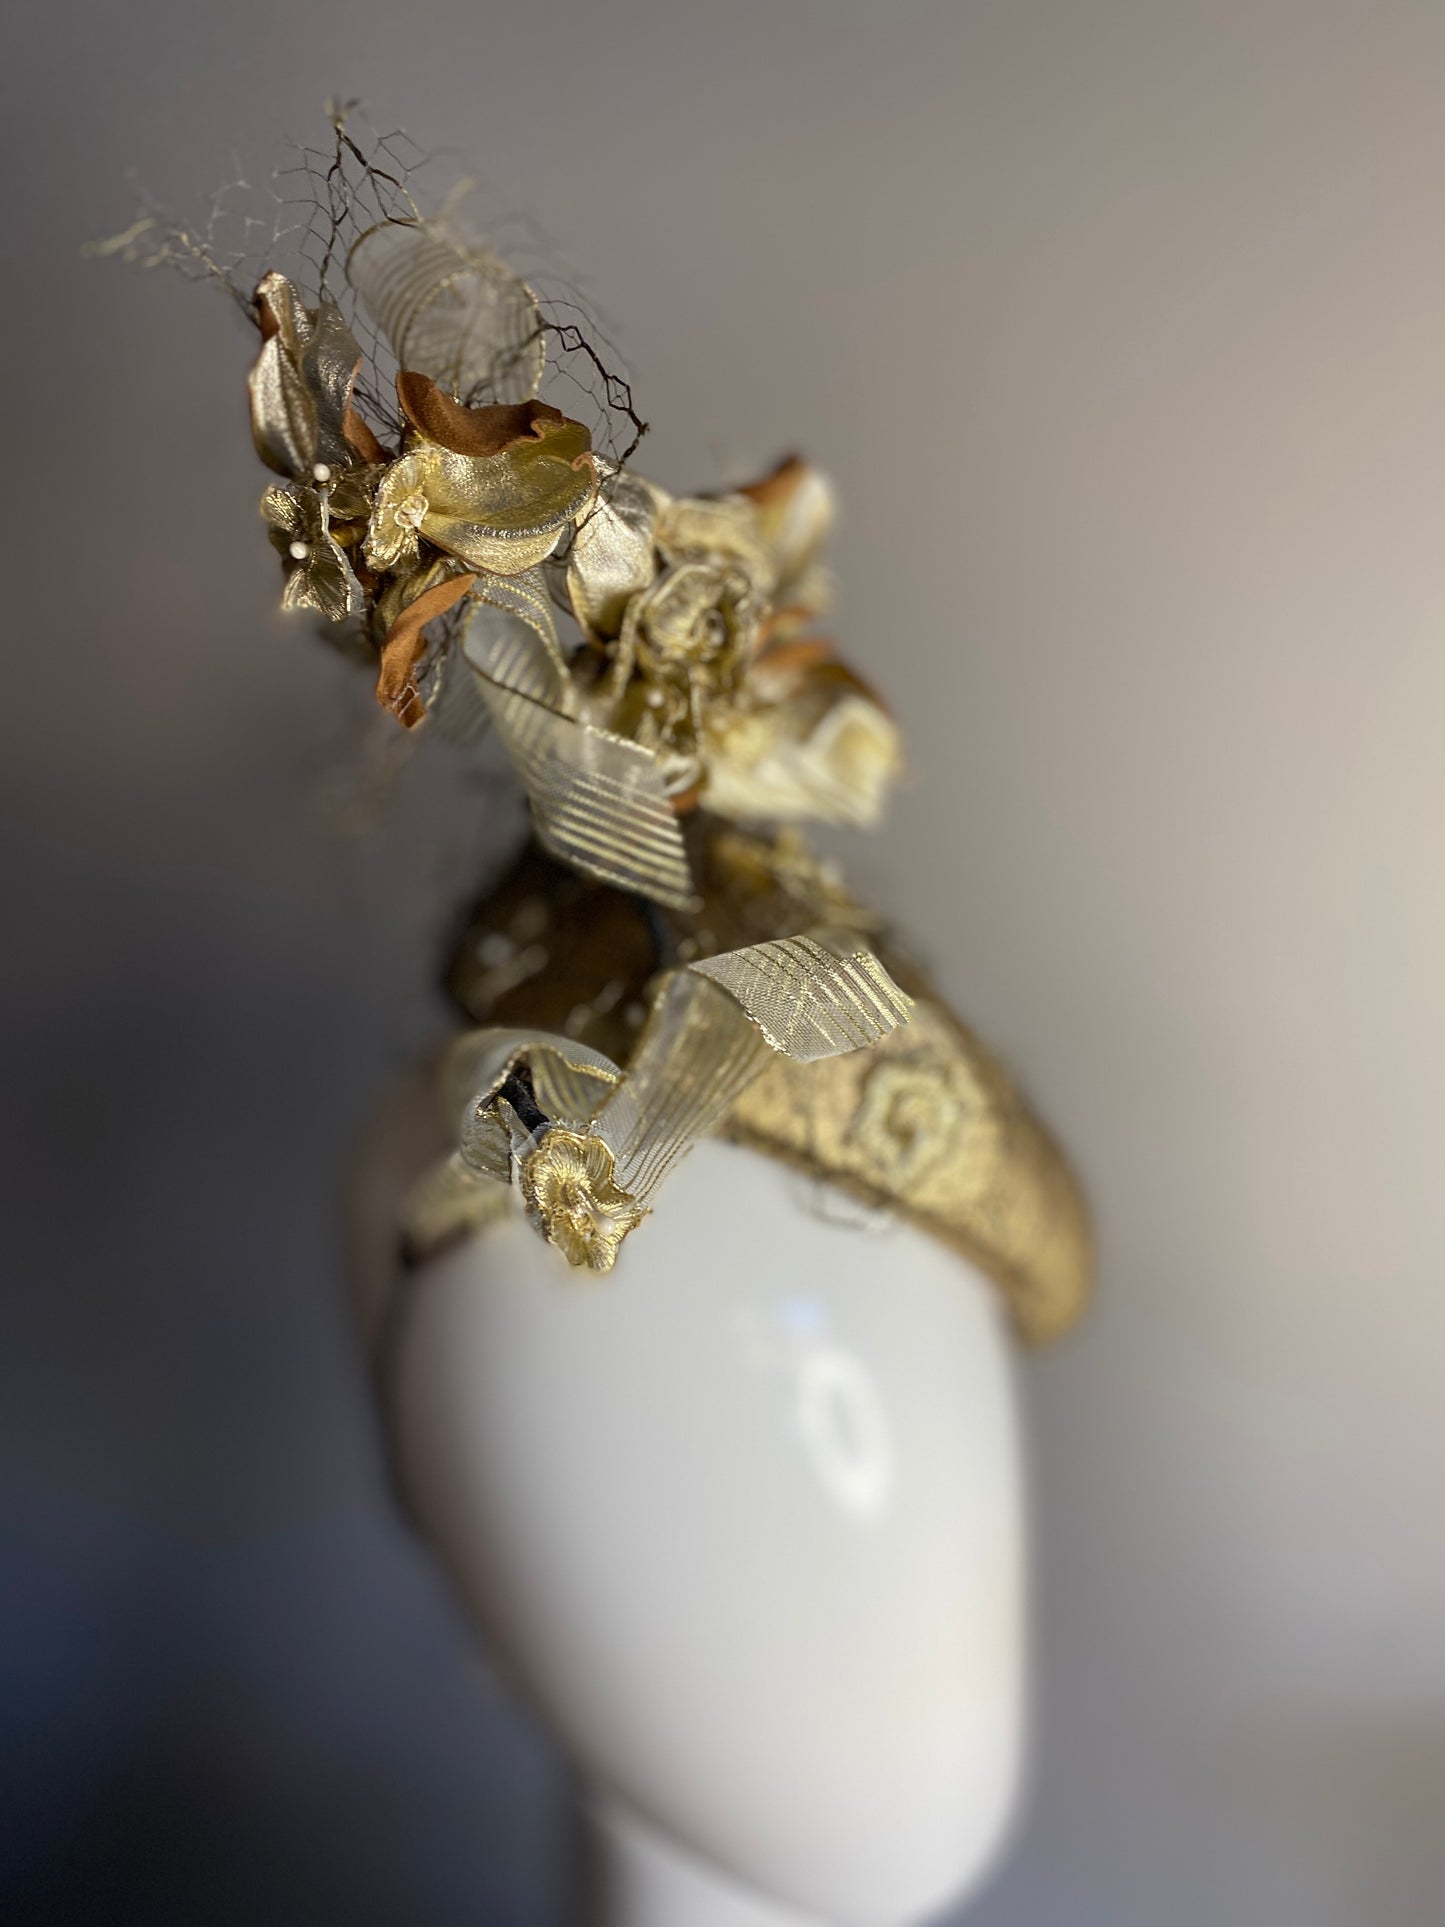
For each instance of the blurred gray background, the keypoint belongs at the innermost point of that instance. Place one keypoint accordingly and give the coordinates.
(1122, 328)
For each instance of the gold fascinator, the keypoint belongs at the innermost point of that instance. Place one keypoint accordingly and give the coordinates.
(454, 498)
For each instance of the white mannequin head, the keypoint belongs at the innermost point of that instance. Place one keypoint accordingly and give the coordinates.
(743, 1520)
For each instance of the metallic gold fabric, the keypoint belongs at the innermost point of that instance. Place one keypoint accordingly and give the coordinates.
(928, 1125)
(301, 383)
(926, 1122)
(598, 799)
(612, 552)
(590, 1144)
(670, 959)
(503, 512)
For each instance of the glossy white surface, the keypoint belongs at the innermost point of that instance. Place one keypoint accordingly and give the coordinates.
(635, 1876)
(744, 1522)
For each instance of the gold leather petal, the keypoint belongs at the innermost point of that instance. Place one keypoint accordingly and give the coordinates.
(796, 510)
(329, 364)
(301, 383)
(283, 411)
(613, 554)
(809, 741)
(391, 536)
(504, 513)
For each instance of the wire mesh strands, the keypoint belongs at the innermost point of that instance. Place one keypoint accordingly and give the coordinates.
(450, 310)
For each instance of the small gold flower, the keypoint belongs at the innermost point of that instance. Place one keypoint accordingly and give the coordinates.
(570, 1191)
(318, 574)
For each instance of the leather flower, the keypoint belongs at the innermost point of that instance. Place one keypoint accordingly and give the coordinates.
(494, 486)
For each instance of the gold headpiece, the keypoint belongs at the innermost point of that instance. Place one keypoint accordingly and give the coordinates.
(667, 959)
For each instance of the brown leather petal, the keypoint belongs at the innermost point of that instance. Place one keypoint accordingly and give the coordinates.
(444, 420)
(358, 436)
(396, 688)
(778, 484)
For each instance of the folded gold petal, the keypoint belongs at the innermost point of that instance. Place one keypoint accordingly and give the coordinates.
(330, 362)
(613, 555)
(325, 582)
(539, 481)
(281, 313)
(405, 646)
(483, 548)
(450, 310)
(283, 411)
(352, 493)
(300, 386)
(283, 511)
(796, 509)
(810, 743)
